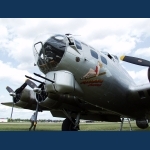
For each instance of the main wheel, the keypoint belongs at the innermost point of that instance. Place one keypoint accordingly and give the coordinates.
(67, 125)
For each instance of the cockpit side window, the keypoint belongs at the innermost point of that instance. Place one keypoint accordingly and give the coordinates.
(116, 57)
(107, 54)
(78, 45)
(94, 54)
(104, 60)
(111, 57)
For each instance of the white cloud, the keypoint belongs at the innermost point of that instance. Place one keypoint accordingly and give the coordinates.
(115, 44)
(3, 32)
(25, 65)
(102, 27)
(115, 35)
(20, 49)
(143, 52)
(139, 77)
(118, 36)
(15, 76)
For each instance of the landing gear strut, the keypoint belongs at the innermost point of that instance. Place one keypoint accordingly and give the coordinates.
(71, 124)
(122, 121)
(67, 125)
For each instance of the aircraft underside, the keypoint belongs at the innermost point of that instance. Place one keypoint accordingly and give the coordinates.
(63, 98)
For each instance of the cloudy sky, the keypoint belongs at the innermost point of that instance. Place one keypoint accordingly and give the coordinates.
(116, 36)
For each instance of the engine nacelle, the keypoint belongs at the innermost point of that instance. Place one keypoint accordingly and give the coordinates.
(61, 102)
(25, 97)
(143, 124)
(49, 103)
(28, 96)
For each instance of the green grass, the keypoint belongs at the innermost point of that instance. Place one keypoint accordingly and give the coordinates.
(103, 126)
(25, 127)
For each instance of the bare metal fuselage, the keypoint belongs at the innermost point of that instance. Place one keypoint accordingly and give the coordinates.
(112, 93)
(109, 91)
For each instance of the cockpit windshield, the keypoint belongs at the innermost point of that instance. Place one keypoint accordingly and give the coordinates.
(49, 50)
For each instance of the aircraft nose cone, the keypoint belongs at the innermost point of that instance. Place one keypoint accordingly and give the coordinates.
(51, 52)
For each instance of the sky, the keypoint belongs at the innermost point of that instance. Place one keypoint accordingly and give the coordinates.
(118, 36)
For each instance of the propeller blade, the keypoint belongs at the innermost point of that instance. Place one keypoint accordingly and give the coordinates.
(19, 90)
(15, 95)
(41, 85)
(11, 92)
(9, 89)
(31, 84)
(12, 111)
(36, 89)
(36, 113)
(135, 60)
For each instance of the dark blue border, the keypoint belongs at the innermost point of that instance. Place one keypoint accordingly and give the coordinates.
(74, 140)
(75, 9)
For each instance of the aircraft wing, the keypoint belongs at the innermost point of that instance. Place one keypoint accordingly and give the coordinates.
(91, 115)
(140, 87)
(10, 104)
(138, 100)
(23, 105)
(143, 91)
(99, 115)
(140, 95)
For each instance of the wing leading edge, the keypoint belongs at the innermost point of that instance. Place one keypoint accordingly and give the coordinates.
(138, 101)
(10, 104)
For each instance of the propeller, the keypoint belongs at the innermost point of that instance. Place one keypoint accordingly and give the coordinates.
(137, 61)
(15, 95)
(33, 86)
(38, 90)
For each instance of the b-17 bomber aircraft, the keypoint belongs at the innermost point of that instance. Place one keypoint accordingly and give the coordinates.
(81, 82)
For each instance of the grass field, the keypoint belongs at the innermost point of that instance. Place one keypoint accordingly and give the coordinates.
(104, 126)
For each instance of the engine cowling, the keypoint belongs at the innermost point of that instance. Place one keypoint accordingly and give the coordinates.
(25, 97)
(28, 96)
(143, 124)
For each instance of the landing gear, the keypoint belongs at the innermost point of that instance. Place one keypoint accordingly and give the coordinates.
(122, 121)
(67, 125)
(70, 124)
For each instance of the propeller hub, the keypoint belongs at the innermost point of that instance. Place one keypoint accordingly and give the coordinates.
(12, 94)
(37, 90)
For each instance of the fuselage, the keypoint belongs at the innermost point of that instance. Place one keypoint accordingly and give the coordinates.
(107, 89)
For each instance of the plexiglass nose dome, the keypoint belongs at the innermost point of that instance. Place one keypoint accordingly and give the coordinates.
(48, 50)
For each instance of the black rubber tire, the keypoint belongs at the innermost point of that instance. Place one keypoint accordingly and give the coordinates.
(67, 125)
